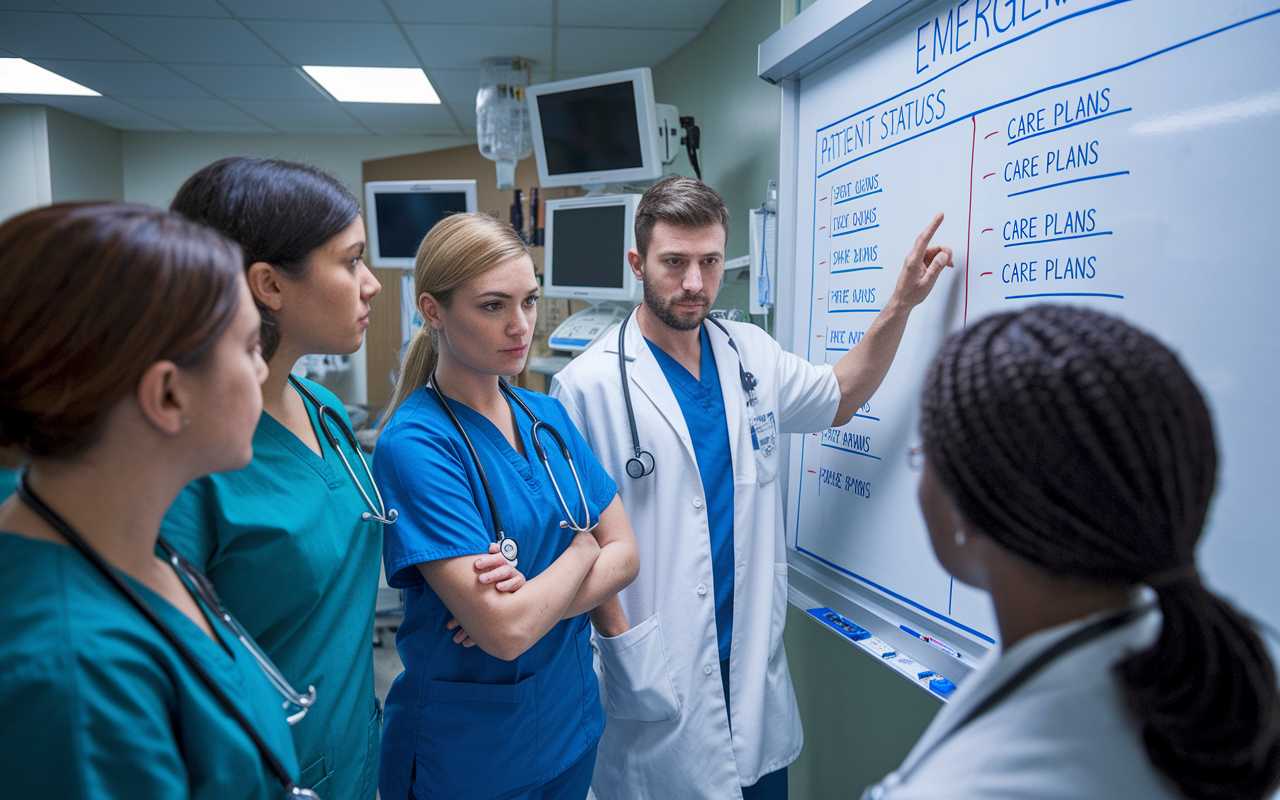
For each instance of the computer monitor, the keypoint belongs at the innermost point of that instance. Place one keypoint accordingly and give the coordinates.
(595, 130)
(587, 239)
(401, 212)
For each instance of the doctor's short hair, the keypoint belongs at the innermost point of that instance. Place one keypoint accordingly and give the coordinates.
(680, 202)
(1082, 445)
(279, 212)
(457, 249)
(93, 295)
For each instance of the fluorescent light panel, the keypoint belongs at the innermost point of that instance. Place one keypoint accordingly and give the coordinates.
(19, 76)
(375, 84)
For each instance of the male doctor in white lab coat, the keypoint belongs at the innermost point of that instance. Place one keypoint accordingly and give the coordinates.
(695, 681)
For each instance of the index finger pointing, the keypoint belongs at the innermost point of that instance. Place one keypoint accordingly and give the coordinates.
(922, 241)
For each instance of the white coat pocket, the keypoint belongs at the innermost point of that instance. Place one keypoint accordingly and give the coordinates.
(636, 683)
(764, 446)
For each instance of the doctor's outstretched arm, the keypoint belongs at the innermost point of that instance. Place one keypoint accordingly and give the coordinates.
(860, 371)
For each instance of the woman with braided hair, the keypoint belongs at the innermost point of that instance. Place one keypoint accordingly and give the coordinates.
(1069, 464)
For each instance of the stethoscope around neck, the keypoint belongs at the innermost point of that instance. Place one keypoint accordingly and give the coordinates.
(325, 415)
(507, 546)
(641, 461)
(204, 590)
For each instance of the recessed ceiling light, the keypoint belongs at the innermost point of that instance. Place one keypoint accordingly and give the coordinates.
(19, 76)
(375, 84)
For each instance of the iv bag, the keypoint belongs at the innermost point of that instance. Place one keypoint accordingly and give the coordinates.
(502, 115)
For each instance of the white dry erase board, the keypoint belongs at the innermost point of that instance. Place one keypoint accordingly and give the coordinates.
(1119, 154)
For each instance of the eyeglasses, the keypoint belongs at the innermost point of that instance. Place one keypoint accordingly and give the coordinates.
(915, 457)
(295, 703)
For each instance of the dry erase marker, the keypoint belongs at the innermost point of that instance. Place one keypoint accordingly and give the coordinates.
(944, 648)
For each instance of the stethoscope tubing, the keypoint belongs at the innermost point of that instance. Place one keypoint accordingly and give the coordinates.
(636, 465)
(377, 512)
(93, 557)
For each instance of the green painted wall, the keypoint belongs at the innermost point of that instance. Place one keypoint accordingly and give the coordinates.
(859, 718)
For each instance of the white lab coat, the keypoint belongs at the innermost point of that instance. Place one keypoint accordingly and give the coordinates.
(1063, 735)
(667, 734)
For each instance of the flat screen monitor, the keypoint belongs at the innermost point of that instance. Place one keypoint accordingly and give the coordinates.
(401, 212)
(595, 130)
(587, 239)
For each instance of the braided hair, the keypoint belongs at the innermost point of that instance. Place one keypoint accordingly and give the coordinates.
(1081, 444)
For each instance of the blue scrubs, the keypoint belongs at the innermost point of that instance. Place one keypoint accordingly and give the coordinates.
(461, 723)
(284, 544)
(8, 477)
(96, 703)
(702, 404)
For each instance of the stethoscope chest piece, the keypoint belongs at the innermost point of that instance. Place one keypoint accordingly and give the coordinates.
(640, 464)
(509, 550)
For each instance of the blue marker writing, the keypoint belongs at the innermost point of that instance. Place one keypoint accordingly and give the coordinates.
(930, 640)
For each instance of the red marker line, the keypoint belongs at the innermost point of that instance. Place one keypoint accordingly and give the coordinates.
(817, 336)
(968, 248)
(989, 135)
(984, 230)
(815, 472)
(985, 273)
(988, 175)
(820, 202)
(823, 228)
(820, 263)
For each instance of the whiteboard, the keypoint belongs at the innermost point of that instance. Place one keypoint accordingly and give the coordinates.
(1118, 154)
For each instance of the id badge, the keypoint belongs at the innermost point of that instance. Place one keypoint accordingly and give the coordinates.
(764, 443)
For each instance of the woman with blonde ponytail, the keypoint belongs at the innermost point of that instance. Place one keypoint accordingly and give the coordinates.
(1069, 464)
(498, 697)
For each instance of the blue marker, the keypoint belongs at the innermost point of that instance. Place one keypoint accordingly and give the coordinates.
(930, 640)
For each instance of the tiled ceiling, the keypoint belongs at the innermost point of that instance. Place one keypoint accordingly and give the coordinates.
(232, 65)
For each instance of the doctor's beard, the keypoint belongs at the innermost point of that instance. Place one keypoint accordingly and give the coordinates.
(667, 313)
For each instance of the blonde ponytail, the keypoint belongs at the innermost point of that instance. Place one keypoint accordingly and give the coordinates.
(459, 248)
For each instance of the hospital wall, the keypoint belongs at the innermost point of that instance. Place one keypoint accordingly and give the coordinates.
(859, 718)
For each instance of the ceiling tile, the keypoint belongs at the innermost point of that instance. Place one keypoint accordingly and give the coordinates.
(463, 46)
(339, 10)
(396, 115)
(352, 128)
(594, 50)
(124, 78)
(189, 41)
(30, 5)
(101, 109)
(296, 112)
(235, 81)
(686, 14)
(153, 8)
(142, 125)
(183, 110)
(37, 35)
(474, 12)
(228, 127)
(458, 87)
(337, 44)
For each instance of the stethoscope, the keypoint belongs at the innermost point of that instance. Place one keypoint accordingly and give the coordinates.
(641, 463)
(507, 546)
(327, 415)
(1028, 671)
(204, 590)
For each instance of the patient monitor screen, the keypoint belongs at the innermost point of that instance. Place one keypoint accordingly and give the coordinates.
(590, 247)
(591, 130)
(405, 217)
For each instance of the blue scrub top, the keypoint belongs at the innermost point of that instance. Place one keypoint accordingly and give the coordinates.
(283, 542)
(702, 404)
(468, 724)
(96, 703)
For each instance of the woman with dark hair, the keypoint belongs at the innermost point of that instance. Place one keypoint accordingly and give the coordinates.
(293, 541)
(1069, 464)
(130, 367)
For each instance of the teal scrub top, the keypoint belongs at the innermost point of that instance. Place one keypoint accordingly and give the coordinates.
(95, 703)
(462, 724)
(8, 477)
(283, 543)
